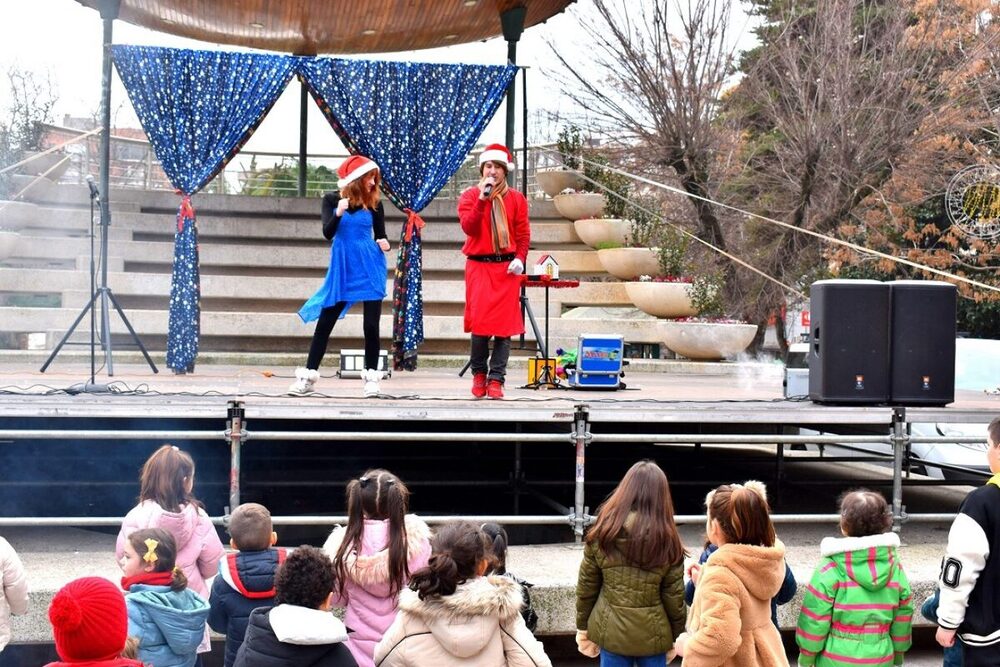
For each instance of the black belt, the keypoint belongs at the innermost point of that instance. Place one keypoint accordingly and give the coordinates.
(492, 259)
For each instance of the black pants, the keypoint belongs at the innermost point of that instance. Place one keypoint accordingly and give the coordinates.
(496, 366)
(980, 656)
(324, 327)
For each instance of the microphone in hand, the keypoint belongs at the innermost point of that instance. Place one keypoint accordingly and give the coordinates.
(488, 189)
(94, 192)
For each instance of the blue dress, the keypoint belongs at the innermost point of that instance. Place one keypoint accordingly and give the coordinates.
(357, 268)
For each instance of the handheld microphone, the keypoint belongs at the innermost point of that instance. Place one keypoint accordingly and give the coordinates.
(94, 192)
(487, 189)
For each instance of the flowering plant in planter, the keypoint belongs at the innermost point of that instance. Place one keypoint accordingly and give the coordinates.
(707, 298)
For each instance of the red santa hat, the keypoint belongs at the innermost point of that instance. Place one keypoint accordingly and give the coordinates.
(496, 153)
(354, 168)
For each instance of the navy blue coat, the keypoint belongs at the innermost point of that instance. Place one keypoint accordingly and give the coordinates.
(245, 582)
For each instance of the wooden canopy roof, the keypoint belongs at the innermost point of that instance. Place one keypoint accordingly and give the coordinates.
(310, 27)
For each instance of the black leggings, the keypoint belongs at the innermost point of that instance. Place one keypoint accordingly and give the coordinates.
(324, 327)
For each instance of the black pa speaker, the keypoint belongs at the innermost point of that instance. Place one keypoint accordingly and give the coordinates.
(849, 341)
(922, 358)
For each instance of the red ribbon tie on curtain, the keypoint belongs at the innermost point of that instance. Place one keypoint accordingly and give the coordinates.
(413, 220)
(187, 211)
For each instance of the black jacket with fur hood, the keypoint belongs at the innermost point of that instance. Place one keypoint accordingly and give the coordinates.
(479, 625)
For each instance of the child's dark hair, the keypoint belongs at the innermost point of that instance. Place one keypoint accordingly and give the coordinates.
(250, 527)
(164, 479)
(994, 431)
(644, 495)
(305, 579)
(157, 546)
(864, 512)
(498, 546)
(457, 550)
(743, 513)
(379, 495)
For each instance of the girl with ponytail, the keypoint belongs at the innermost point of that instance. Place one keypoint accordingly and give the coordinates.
(453, 615)
(167, 617)
(730, 619)
(374, 556)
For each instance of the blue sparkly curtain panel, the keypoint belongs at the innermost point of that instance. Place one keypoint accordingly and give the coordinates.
(418, 121)
(197, 108)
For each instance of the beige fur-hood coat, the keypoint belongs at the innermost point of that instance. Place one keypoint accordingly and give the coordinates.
(730, 621)
(479, 625)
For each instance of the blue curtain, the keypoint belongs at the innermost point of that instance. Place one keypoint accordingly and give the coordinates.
(197, 108)
(418, 121)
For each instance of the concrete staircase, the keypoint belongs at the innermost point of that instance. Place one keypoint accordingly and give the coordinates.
(261, 257)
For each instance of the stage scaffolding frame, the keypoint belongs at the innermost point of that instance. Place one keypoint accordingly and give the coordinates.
(580, 434)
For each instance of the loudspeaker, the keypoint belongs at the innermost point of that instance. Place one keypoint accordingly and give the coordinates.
(849, 341)
(922, 357)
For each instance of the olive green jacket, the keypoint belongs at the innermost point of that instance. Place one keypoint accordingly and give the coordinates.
(628, 610)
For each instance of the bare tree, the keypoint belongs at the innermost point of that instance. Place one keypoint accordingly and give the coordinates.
(29, 102)
(660, 88)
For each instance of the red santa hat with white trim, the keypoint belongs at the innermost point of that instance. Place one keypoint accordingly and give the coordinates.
(496, 153)
(354, 168)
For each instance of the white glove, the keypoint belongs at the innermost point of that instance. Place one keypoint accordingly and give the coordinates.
(516, 267)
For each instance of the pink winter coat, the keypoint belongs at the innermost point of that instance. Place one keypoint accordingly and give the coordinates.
(370, 609)
(199, 548)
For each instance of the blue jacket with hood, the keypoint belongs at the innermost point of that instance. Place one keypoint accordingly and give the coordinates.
(169, 624)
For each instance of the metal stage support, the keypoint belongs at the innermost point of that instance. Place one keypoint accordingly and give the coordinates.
(893, 423)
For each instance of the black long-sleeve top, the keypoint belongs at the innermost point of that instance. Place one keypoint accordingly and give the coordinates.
(331, 220)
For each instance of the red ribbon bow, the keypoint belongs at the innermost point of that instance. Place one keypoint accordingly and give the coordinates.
(413, 220)
(186, 211)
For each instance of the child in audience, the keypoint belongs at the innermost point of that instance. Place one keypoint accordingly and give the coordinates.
(374, 556)
(858, 606)
(166, 616)
(970, 574)
(89, 624)
(453, 615)
(299, 629)
(730, 621)
(498, 546)
(630, 592)
(246, 577)
(784, 596)
(15, 589)
(166, 501)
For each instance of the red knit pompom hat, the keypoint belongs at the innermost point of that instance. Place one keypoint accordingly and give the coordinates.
(89, 621)
(496, 153)
(354, 168)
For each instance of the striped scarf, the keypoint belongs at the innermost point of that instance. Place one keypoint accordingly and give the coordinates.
(499, 233)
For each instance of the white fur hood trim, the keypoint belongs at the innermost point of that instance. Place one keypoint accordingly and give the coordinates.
(495, 597)
(306, 627)
(374, 569)
(837, 545)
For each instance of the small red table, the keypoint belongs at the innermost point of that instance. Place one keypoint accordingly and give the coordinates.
(548, 282)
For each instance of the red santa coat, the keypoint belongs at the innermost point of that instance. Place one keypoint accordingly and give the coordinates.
(492, 307)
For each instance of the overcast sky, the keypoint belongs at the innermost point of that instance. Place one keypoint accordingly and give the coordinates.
(63, 38)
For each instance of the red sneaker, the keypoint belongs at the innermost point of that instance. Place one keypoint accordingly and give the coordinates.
(494, 389)
(479, 384)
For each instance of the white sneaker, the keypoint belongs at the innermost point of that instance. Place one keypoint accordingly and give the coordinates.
(371, 378)
(304, 381)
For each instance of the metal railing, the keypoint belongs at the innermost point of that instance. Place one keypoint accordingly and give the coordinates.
(579, 433)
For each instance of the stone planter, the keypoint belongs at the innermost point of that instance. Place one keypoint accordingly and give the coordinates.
(595, 231)
(15, 215)
(708, 341)
(667, 300)
(554, 180)
(9, 242)
(579, 205)
(629, 263)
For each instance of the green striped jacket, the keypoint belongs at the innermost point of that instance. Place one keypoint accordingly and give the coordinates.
(858, 607)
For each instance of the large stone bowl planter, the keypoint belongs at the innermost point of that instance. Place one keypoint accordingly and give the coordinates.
(554, 180)
(579, 205)
(15, 215)
(629, 263)
(667, 300)
(597, 231)
(9, 242)
(708, 341)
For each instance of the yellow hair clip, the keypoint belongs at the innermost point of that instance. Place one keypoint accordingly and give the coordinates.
(151, 545)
